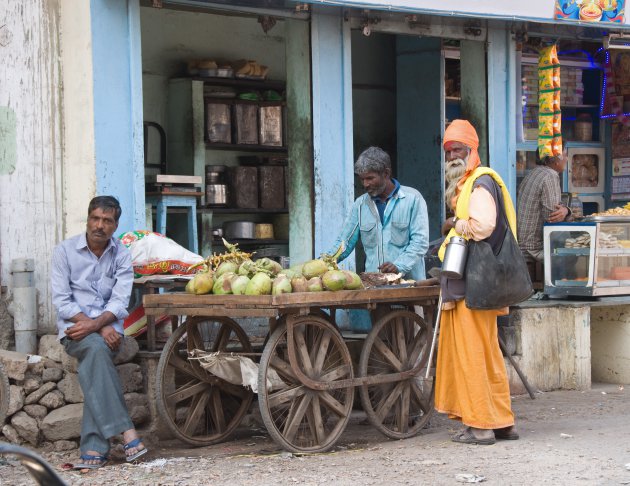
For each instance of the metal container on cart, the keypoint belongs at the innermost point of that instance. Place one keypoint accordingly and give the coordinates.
(590, 258)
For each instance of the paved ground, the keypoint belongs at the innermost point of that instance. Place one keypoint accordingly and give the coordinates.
(567, 438)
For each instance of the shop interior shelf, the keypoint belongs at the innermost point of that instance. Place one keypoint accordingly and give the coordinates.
(572, 251)
(222, 210)
(245, 147)
(253, 242)
(232, 101)
(244, 83)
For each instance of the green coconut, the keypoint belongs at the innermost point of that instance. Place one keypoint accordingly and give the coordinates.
(353, 281)
(281, 285)
(314, 268)
(297, 269)
(247, 268)
(200, 284)
(289, 273)
(260, 284)
(315, 285)
(239, 284)
(299, 284)
(270, 265)
(222, 285)
(334, 280)
(226, 267)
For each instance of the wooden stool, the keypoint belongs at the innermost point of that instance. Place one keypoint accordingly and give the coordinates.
(163, 201)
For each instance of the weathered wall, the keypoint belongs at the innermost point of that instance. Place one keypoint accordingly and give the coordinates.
(610, 344)
(30, 140)
(79, 181)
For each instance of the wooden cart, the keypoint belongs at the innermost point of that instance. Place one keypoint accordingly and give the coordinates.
(310, 409)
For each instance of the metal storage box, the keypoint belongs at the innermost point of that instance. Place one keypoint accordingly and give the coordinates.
(271, 125)
(246, 123)
(271, 186)
(244, 187)
(218, 123)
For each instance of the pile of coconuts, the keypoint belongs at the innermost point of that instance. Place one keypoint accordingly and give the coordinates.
(267, 277)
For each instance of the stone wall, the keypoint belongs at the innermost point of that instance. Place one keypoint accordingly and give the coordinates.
(45, 399)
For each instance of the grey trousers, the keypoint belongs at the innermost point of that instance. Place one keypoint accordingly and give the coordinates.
(104, 410)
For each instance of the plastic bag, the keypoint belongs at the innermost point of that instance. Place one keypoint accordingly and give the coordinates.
(153, 253)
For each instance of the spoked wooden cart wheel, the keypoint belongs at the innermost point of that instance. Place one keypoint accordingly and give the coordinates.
(198, 407)
(397, 342)
(299, 418)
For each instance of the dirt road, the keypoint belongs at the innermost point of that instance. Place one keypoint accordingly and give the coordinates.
(567, 438)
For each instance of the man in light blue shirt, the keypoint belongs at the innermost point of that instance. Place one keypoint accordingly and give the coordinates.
(391, 220)
(91, 282)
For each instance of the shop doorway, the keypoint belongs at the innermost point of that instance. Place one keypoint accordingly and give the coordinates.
(405, 91)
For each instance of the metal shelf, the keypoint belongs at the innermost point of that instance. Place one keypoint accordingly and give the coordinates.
(252, 242)
(245, 147)
(243, 83)
(221, 210)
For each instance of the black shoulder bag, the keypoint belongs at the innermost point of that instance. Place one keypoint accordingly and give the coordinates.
(496, 281)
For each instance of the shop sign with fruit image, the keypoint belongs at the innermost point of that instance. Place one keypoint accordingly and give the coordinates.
(591, 10)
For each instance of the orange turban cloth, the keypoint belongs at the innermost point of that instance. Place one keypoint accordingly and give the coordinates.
(463, 132)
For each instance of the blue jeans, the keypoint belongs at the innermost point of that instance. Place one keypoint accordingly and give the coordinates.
(104, 410)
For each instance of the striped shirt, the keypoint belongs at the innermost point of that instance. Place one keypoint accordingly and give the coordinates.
(538, 195)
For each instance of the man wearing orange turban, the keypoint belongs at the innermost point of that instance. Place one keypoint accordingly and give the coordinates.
(471, 382)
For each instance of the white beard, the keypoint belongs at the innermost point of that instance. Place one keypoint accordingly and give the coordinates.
(454, 171)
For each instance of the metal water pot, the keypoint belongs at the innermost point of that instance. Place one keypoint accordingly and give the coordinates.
(455, 256)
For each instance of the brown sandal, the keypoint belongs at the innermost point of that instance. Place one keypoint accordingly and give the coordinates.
(506, 433)
(467, 436)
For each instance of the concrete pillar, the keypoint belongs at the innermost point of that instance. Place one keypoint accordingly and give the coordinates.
(553, 347)
(300, 140)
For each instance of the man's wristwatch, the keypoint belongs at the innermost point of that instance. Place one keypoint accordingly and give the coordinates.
(455, 219)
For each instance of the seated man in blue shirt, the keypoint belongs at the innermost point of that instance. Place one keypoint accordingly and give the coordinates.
(391, 220)
(91, 279)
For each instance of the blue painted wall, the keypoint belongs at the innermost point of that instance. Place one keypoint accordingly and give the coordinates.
(117, 74)
(332, 126)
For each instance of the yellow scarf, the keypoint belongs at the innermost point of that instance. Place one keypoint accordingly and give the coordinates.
(461, 210)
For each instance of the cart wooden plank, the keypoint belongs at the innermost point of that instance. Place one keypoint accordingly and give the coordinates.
(212, 311)
(179, 303)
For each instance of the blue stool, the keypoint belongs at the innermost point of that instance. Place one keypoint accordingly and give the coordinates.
(162, 202)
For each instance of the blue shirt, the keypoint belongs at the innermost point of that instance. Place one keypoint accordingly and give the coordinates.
(82, 282)
(402, 237)
(381, 204)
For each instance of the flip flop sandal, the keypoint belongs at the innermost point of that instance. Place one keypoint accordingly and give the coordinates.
(467, 437)
(503, 434)
(89, 457)
(130, 445)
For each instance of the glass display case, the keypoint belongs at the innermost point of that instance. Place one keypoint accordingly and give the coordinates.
(589, 258)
